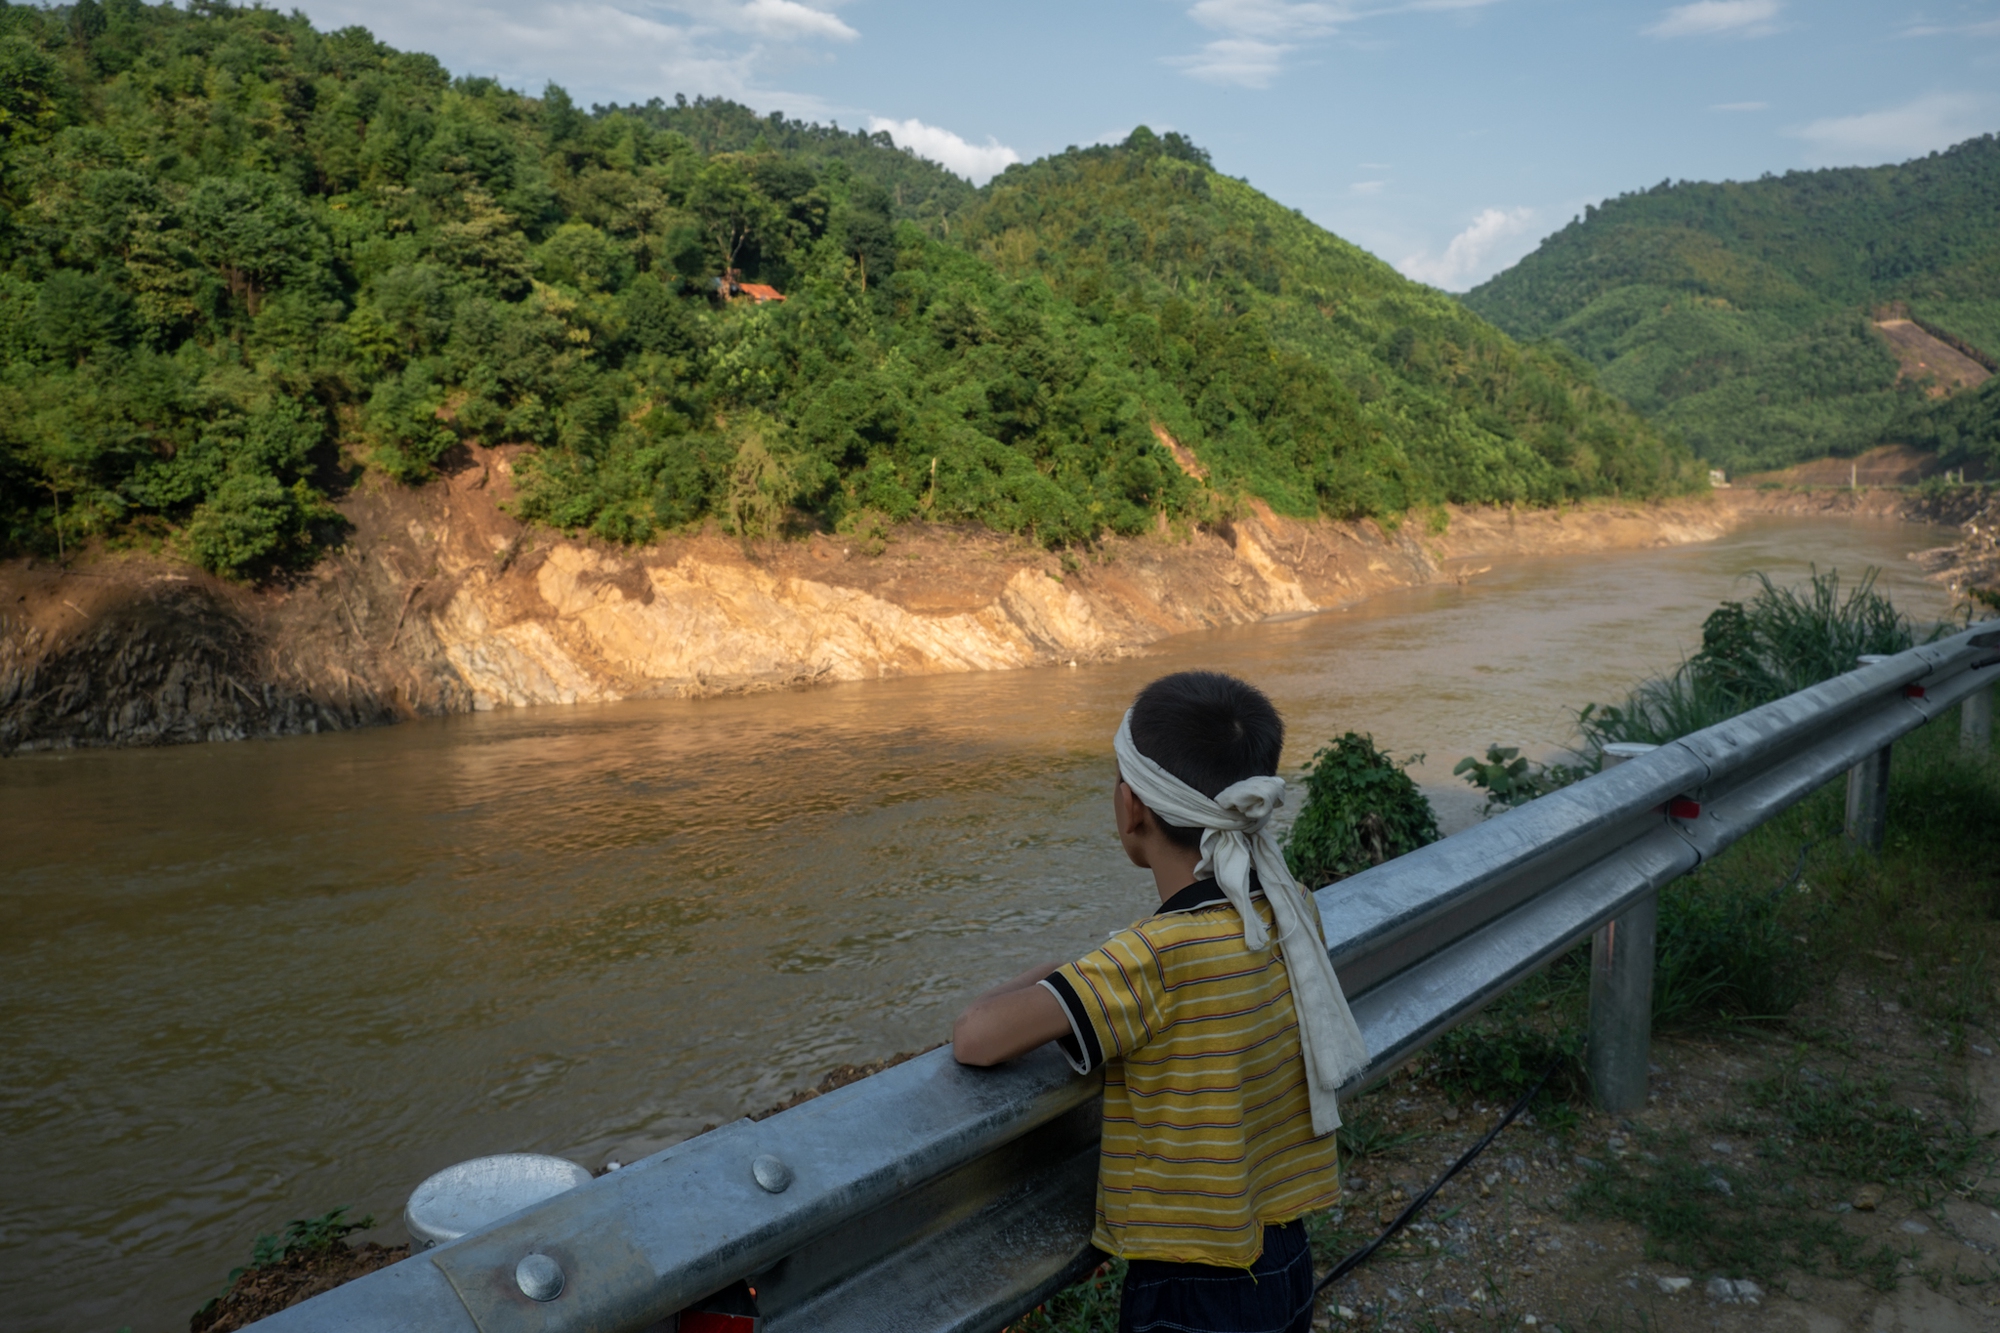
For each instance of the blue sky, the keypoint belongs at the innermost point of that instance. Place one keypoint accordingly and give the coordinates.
(1447, 136)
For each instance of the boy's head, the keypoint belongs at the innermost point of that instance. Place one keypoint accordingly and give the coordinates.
(1209, 730)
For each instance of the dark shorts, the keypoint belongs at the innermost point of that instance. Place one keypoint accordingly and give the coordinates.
(1274, 1296)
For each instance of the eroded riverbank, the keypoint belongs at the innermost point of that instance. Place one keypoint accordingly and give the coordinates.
(442, 603)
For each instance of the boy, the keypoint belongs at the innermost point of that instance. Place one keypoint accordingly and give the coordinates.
(1221, 1046)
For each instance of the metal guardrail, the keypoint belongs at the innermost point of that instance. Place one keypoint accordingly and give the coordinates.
(933, 1198)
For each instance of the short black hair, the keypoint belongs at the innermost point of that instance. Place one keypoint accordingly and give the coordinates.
(1209, 730)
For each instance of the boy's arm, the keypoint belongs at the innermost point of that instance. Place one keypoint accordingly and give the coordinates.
(1009, 1020)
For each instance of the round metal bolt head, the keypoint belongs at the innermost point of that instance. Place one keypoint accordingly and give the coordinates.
(773, 1175)
(539, 1277)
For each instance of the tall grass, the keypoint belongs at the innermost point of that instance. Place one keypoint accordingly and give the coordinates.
(1779, 642)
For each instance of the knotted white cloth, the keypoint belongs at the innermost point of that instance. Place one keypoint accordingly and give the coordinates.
(1237, 836)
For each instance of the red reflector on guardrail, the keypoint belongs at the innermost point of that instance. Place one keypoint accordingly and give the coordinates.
(1913, 691)
(707, 1321)
(1683, 808)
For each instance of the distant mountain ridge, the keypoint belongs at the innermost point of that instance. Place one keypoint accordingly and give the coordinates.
(1743, 314)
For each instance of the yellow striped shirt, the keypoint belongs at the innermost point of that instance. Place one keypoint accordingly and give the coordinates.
(1207, 1128)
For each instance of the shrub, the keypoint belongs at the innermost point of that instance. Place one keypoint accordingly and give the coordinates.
(251, 522)
(1509, 780)
(1361, 809)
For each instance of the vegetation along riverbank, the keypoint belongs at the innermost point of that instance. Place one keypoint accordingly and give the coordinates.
(302, 336)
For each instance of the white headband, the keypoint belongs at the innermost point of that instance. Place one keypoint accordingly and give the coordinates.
(1237, 838)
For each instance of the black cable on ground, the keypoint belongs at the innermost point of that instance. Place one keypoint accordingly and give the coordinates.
(1362, 1255)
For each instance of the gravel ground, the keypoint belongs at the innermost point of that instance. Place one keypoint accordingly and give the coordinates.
(1506, 1244)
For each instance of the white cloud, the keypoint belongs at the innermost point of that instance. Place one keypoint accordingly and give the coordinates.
(1238, 62)
(977, 162)
(1367, 187)
(612, 50)
(790, 21)
(1474, 253)
(1983, 28)
(1709, 18)
(1273, 19)
(1259, 35)
(1910, 130)
(1741, 106)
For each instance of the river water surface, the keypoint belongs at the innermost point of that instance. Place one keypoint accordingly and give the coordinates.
(246, 983)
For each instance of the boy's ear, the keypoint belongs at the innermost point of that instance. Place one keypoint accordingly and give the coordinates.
(1133, 815)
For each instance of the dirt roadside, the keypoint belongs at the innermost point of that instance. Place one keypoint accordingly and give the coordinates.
(1506, 1244)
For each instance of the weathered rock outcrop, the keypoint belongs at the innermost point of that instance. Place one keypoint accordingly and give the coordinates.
(156, 662)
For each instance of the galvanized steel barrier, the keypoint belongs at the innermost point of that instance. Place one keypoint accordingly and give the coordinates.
(933, 1198)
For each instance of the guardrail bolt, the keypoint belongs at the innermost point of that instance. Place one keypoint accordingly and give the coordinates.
(539, 1277)
(1975, 722)
(773, 1176)
(1621, 989)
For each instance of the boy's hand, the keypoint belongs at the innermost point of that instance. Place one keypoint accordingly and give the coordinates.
(1008, 1021)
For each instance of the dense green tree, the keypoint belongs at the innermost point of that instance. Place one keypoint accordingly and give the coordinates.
(241, 259)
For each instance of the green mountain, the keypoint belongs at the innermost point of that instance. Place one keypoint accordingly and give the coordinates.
(1741, 314)
(243, 261)
(1301, 367)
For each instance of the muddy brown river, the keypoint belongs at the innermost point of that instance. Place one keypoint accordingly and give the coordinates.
(246, 983)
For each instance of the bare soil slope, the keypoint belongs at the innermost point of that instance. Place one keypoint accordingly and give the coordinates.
(1921, 355)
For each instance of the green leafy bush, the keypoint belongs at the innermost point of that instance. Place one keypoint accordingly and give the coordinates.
(250, 522)
(1509, 779)
(1361, 809)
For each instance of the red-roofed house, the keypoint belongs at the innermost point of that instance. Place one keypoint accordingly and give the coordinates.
(729, 289)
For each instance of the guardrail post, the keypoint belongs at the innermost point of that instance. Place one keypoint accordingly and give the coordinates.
(1868, 790)
(1621, 990)
(1975, 722)
(1868, 801)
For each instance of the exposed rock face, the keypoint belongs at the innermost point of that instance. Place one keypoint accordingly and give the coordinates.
(442, 602)
(175, 662)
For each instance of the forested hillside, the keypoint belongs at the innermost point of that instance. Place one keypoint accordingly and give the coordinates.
(244, 263)
(1741, 314)
(1308, 369)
